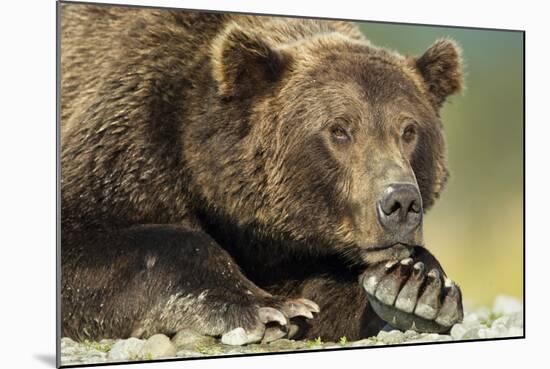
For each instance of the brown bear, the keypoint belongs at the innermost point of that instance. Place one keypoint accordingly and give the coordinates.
(222, 171)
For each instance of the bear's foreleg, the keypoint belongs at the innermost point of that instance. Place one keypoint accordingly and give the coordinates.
(160, 279)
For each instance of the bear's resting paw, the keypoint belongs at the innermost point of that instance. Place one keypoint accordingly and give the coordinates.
(273, 322)
(407, 297)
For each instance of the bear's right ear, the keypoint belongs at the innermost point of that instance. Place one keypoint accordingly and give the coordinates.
(441, 69)
(243, 63)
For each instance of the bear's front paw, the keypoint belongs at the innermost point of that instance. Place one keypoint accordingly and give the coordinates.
(273, 321)
(408, 295)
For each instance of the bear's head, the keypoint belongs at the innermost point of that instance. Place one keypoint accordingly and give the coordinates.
(329, 142)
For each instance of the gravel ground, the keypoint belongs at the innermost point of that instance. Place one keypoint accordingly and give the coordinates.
(504, 319)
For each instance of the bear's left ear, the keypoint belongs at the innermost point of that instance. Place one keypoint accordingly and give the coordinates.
(243, 63)
(441, 68)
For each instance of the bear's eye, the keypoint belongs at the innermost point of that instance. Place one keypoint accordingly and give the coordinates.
(339, 133)
(409, 133)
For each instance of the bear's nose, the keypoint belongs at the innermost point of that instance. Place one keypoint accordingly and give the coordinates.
(400, 208)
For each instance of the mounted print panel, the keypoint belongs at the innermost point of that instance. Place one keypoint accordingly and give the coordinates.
(238, 184)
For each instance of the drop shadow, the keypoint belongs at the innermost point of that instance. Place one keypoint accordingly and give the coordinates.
(48, 359)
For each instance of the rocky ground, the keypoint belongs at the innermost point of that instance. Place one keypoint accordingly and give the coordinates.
(504, 319)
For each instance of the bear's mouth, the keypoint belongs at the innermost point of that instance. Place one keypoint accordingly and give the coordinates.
(389, 246)
(393, 251)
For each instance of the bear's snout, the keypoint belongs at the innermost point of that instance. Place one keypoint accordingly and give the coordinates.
(400, 209)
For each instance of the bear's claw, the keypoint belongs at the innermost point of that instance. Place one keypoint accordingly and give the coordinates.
(273, 334)
(268, 314)
(408, 296)
(275, 322)
(313, 307)
(428, 305)
(451, 311)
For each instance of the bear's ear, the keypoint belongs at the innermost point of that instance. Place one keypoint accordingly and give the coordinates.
(243, 62)
(441, 69)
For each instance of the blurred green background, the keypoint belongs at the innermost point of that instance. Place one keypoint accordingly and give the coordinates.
(476, 228)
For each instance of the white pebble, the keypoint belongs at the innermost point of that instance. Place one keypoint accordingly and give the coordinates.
(392, 337)
(156, 347)
(126, 349)
(458, 331)
(236, 337)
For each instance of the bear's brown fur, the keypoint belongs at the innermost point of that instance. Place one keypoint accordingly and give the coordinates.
(235, 162)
